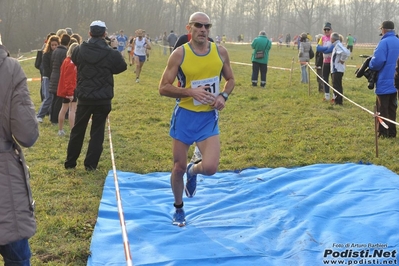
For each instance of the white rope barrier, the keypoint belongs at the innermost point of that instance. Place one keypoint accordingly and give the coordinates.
(126, 245)
(247, 64)
(358, 105)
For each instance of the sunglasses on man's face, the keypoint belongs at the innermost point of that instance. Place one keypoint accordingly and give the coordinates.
(200, 25)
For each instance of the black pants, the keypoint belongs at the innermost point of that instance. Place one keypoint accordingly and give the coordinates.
(326, 75)
(56, 105)
(256, 67)
(98, 114)
(337, 84)
(386, 106)
(319, 81)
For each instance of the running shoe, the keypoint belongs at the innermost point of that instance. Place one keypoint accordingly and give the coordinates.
(61, 133)
(179, 217)
(197, 156)
(191, 184)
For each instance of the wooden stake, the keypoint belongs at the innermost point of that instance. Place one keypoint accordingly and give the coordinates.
(292, 69)
(376, 123)
(308, 66)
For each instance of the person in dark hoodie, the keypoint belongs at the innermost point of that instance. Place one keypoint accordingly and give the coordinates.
(57, 58)
(96, 64)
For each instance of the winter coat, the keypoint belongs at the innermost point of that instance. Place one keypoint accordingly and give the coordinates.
(67, 82)
(384, 61)
(303, 54)
(340, 53)
(96, 63)
(397, 75)
(261, 43)
(57, 58)
(46, 63)
(172, 39)
(18, 126)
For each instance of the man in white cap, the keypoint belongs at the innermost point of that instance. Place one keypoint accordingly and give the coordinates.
(96, 64)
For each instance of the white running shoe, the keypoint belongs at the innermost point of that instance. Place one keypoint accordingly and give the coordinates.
(197, 156)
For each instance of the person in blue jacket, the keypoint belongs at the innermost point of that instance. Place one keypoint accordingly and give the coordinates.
(384, 61)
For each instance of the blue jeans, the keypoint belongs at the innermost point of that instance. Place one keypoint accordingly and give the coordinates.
(48, 98)
(304, 74)
(16, 253)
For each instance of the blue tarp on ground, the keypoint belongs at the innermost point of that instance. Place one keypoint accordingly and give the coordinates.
(309, 215)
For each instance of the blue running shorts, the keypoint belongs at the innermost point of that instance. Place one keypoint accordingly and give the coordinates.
(189, 127)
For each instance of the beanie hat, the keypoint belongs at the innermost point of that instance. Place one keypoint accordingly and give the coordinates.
(327, 25)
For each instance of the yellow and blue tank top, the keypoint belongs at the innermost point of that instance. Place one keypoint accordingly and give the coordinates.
(198, 70)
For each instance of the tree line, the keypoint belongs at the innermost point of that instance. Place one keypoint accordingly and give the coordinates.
(25, 23)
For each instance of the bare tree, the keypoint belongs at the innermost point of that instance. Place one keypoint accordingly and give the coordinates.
(25, 23)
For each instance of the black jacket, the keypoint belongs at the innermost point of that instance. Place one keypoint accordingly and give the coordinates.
(46, 64)
(57, 58)
(96, 63)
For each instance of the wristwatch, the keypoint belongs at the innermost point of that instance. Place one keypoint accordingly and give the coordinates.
(224, 95)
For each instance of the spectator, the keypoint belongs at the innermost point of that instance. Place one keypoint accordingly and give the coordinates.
(338, 58)
(319, 65)
(261, 46)
(325, 47)
(96, 64)
(384, 60)
(66, 90)
(57, 58)
(69, 31)
(52, 43)
(172, 39)
(18, 127)
(165, 42)
(288, 40)
(304, 58)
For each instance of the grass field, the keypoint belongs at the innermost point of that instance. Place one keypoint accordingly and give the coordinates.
(281, 126)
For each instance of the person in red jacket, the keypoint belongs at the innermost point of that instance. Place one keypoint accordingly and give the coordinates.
(66, 90)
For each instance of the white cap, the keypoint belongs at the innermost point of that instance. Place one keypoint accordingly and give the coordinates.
(98, 23)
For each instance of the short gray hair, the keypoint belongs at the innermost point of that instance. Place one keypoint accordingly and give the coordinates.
(262, 32)
(335, 36)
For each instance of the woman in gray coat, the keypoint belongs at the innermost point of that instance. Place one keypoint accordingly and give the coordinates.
(304, 58)
(18, 126)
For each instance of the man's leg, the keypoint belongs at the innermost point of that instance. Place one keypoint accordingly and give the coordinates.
(210, 149)
(337, 84)
(95, 147)
(393, 105)
(382, 103)
(83, 114)
(180, 151)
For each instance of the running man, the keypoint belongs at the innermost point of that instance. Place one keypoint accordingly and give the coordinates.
(141, 45)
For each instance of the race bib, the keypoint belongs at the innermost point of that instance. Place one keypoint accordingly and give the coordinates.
(121, 44)
(213, 84)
